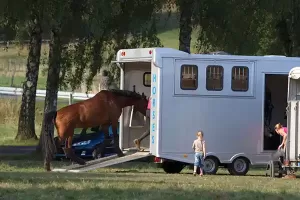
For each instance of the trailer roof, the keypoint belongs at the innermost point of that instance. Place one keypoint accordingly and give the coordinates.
(154, 53)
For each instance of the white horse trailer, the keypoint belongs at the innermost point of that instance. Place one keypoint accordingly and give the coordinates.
(223, 95)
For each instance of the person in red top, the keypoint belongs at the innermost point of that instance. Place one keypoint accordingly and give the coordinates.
(137, 142)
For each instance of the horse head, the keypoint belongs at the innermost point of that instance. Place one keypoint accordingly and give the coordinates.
(141, 104)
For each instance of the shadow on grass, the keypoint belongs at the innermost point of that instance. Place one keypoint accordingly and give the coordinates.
(30, 156)
(135, 192)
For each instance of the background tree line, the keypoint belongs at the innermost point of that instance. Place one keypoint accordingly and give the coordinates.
(86, 34)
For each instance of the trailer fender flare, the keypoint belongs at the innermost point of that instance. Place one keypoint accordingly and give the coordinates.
(240, 155)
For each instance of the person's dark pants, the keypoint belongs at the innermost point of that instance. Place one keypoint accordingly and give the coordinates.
(147, 132)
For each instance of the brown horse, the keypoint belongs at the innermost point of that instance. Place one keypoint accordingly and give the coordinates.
(103, 109)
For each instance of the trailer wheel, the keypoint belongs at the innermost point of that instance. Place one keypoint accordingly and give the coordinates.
(172, 167)
(211, 165)
(239, 167)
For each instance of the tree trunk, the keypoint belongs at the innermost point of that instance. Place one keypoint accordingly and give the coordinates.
(54, 66)
(26, 126)
(104, 81)
(185, 25)
(96, 61)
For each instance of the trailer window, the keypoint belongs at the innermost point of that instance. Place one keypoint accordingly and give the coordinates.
(147, 79)
(189, 77)
(240, 78)
(214, 77)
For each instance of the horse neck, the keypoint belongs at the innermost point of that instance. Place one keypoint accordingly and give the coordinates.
(127, 101)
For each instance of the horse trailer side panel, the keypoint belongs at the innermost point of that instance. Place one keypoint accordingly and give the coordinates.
(292, 130)
(229, 128)
(155, 120)
(293, 112)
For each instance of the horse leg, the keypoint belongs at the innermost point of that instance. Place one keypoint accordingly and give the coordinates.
(70, 152)
(137, 142)
(116, 139)
(143, 136)
(106, 141)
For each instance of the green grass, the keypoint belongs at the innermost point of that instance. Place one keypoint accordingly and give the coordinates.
(9, 116)
(17, 81)
(26, 179)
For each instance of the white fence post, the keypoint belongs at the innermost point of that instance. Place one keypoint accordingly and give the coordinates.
(70, 98)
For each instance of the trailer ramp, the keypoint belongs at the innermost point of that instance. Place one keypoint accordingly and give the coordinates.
(116, 161)
(89, 163)
(130, 155)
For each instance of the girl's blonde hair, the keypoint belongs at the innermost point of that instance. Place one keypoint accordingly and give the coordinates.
(200, 134)
(278, 126)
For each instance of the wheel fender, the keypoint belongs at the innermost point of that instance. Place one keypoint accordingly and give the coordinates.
(240, 155)
(211, 154)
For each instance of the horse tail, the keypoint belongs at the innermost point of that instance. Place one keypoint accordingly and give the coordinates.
(48, 138)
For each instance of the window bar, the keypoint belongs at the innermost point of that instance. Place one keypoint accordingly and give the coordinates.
(214, 72)
(192, 72)
(234, 73)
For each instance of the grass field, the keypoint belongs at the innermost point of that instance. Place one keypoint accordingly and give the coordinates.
(25, 179)
(9, 116)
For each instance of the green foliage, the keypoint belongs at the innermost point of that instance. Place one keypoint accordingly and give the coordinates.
(93, 31)
(111, 25)
(249, 27)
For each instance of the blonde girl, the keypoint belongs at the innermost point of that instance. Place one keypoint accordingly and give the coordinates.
(283, 132)
(200, 152)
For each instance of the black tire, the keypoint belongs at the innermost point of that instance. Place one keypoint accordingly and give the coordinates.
(211, 165)
(239, 166)
(172, 167)
(230, 171)
(97, 152)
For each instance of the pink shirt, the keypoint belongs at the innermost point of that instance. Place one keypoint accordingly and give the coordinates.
(149, 104)
(285, 129)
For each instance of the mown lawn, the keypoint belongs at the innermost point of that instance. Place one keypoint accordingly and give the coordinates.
(25, 179)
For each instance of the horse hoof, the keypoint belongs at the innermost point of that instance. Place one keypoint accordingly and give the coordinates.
(121, 154)
(83, 163)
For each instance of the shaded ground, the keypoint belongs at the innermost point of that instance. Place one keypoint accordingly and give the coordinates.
(16, 150)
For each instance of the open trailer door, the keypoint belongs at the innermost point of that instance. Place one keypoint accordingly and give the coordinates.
(293, 117)
(135, 76)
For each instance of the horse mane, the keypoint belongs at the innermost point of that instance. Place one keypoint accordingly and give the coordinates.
(127, 93)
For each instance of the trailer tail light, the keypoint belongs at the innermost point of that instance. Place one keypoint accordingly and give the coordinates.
(150, 52)
(157, 160)
(123, 53)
